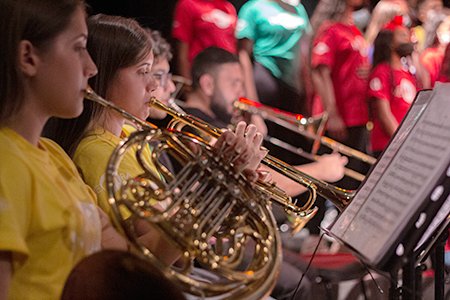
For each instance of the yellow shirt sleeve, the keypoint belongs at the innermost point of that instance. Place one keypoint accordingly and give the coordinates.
(92, 157)
(48, 219)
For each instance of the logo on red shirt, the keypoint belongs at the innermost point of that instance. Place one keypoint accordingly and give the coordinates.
(405, 90)
(218, 17)
(321, 48)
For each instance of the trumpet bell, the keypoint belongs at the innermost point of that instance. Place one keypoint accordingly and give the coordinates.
(299, 222)
(210, 213)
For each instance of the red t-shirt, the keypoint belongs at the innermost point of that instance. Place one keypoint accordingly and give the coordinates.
(431, 59)
(399, 87)
(205, 23)
(343, 50)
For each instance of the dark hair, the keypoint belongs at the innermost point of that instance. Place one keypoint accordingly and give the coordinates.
(114, 43)
(208, 60)
(38, 21)
(118, 275)
(161, 48)
(383, 47)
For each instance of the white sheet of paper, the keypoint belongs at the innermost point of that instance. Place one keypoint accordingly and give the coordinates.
(403, 178)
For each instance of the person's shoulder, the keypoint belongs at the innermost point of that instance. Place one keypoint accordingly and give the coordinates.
(97, 143)
(381, 68)
(327, 27)
(12, 150)
(52, 147)
(58, 155)
(380, 73)
(186, 4)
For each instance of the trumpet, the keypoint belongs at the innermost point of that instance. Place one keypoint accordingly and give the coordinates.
(311, 128)
(338, 196)
(181, 83)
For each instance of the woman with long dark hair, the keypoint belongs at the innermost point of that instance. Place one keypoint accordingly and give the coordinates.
(122, 50)
(48, 216)
(392, 85)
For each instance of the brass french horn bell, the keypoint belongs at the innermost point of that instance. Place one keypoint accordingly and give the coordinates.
(214, 216)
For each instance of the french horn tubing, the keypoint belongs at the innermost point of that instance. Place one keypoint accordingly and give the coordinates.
(212, 215)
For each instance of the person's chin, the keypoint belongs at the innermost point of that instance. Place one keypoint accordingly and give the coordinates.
(74, 112)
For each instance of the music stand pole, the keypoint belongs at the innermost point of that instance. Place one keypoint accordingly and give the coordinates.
(439, 274)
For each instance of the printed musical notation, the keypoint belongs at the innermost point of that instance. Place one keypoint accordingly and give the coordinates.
(402, 179)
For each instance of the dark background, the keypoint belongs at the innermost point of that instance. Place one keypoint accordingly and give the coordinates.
(157, 14)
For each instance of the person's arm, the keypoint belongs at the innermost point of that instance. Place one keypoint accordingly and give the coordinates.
(147, 236)
(5, 273)
(111, 239)
(382, 111)
(245, 53)
(184, 67)
(422, 75)
(323, 85)
(153, 239)
(328, 167)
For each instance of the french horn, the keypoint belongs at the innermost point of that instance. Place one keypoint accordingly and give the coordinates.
(213, 216)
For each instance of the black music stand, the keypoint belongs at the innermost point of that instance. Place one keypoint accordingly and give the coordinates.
(401, 210)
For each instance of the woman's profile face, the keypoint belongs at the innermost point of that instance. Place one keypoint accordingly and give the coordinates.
(131, 87)
(62, 70)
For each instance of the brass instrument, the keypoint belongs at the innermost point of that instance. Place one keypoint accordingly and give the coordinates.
(211, 214)
(311, 128)
(340, 197)
(181, 83)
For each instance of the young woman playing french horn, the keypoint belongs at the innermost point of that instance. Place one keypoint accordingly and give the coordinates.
(123, 53)
(48, 216)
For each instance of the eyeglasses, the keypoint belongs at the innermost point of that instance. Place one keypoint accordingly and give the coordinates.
(162, 78)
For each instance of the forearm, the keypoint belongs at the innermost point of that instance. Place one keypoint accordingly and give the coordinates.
(245, 57)
(249, 81)
(422, 75)
(156, 242)
(111, 239)
(289, 186)
(385, 117)
(323, 86)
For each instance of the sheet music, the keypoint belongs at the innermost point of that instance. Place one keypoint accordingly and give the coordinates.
(414, 113)
(401, 181)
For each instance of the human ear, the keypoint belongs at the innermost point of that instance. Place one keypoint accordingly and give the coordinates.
(28, 58)
(207, 84)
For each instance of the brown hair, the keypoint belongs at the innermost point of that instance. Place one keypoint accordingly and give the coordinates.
(382, 49)
(38, 21)
(161, 48)
(207, 61)
(114, 43)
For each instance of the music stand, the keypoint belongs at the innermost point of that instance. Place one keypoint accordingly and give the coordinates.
(395, 212)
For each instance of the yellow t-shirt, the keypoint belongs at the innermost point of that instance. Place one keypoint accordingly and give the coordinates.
(48, 216)
(92, 156)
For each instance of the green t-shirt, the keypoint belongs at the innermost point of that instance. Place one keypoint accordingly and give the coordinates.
(275, 33)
